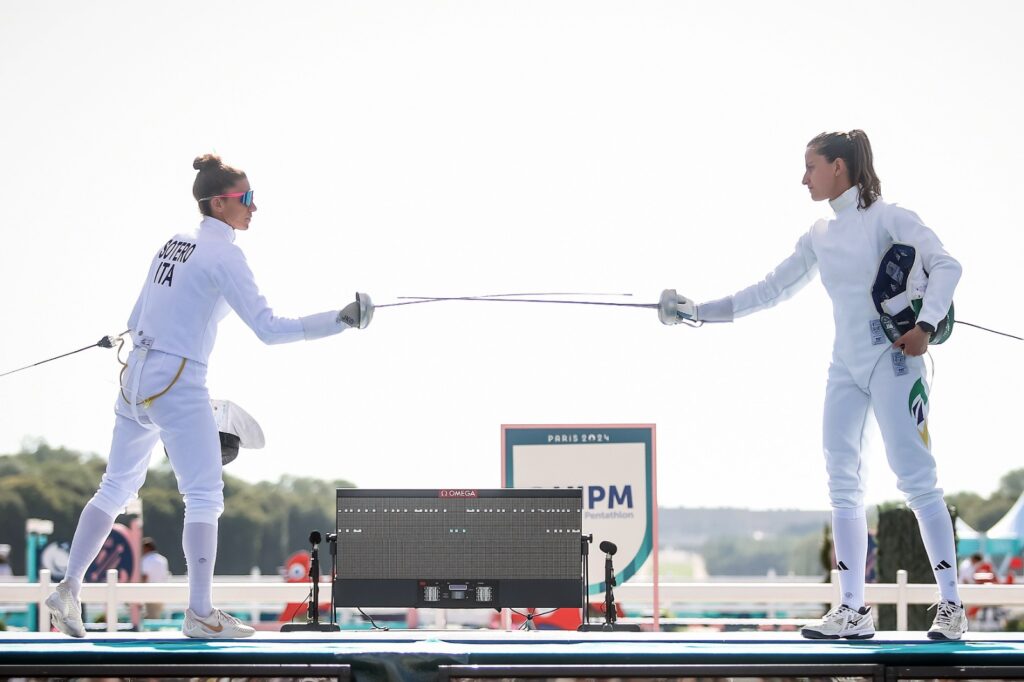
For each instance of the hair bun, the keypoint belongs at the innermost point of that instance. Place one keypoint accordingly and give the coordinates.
(206, 162)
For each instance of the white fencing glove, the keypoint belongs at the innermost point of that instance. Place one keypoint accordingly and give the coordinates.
(676, 309)
(358, 313)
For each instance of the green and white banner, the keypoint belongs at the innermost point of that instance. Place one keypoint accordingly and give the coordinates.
(615, 467)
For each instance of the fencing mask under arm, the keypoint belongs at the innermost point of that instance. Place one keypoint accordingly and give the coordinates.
(898, 291)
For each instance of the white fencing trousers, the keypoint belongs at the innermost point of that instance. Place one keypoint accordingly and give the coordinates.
(897, 393)
(182, 419)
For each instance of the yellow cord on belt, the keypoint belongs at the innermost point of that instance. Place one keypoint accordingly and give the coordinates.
(146, 402)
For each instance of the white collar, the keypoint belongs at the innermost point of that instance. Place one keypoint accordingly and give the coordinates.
(218, 227)
(850, 197)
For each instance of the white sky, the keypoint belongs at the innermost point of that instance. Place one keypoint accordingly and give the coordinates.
(455, 148)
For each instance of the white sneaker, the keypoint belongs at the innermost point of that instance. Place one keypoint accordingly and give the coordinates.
(66, 611)
(218, 625)
(950, 621)
(842, 622)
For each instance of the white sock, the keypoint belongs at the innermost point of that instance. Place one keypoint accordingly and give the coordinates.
(93, 528)
(199, 541)
(937, 534)
(850, 539)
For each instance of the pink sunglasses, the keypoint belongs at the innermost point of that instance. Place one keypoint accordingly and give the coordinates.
(244, 197)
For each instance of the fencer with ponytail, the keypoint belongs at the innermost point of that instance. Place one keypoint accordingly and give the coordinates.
(854, 149)
(908, 301)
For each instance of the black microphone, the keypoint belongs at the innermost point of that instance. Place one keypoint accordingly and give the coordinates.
(608, 548)
(313, 611)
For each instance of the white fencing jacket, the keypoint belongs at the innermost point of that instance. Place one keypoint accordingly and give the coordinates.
(195, 279)
(847, 251)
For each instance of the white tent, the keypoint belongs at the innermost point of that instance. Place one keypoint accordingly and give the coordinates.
(1004, 539)
(964, 530)
(968, 540)
(1011, 526)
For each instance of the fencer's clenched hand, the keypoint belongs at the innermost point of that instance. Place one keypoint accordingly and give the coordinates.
(674, 309)
(913, 343)
(358, 313)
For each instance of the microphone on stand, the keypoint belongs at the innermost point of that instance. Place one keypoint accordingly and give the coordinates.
(313, 613)
(609, 549)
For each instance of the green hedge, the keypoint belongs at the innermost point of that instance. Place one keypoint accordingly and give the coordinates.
(900, 547)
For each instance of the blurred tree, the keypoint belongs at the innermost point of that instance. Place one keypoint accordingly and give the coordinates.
(982, 513)
(262, 525)
(733, 555)
(968, 506)
(1011, 485)
(826, 561)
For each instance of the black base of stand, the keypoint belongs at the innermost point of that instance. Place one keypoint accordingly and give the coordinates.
(313, 623)
(310, 627)
(608, 627)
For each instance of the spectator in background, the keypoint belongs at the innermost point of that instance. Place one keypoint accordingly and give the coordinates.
(968, 567)
(153, 567)
(5, 567)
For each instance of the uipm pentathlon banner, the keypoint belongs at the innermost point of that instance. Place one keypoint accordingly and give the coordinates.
(614, 464)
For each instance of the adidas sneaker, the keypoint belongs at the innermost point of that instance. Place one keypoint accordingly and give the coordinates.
(842, 622)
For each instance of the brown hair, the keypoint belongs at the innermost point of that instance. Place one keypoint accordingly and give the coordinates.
(855, 149)
(214, 177)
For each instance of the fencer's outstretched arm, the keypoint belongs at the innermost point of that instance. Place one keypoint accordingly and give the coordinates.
(235, 280)
(786, 279)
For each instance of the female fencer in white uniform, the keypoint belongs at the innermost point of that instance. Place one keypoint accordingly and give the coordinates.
(866, 372)
(195, 280)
